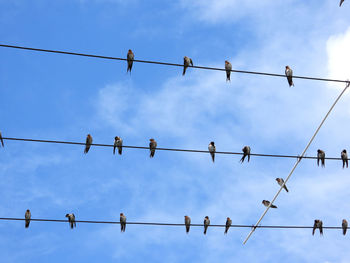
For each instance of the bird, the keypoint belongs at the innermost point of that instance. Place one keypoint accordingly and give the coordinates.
(130, 60)
(187, 63)
(206, 224)
(2, 140)
(88, 143)
(122, 222)
(321, 155)
(267, 203)
(71, 220)
(118, 142)
(228, 224)
(27, 217)
(318, 224)
(212, 150)
(280, 181)
(228, 68)
(187, 223)
(341, 2)
(289, 74)
(344, 226)
(246, 152)
(344, 157)
(152, 147)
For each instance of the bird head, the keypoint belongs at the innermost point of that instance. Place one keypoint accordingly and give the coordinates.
(130, 51)
(28, 210)
(67, 215)
(207, 217)
(287, 67)
(344, 221)
(228, 218)
(344, 151)
(121, 214)
(151, 140)
(212, 143)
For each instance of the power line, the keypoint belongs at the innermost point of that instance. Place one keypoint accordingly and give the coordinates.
(169, 149)
(168, 64)
(297, 162)
(164, 224)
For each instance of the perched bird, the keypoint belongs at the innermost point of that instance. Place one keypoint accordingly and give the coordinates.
(187, 63)
(289, 74)
(228, 224)
(321, 157)
(267, 203)
(246, 152)
(318, 224)
(341, 2)
(228, 68)
(187, 223)
(2, 140)
(344, 225)
(88, 143)
(130, 60)
(71, 220)
(152, 147)
(122, 222)
(27, 217)
(212, 150)
(206, 224)
(344, 157)
(118, 142)
(280, 181)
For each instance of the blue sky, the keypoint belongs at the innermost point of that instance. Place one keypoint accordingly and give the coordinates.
(50, 96)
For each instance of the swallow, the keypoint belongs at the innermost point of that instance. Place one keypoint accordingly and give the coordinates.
(152, 147)
(88, 143)
(228, 68)
(118, 142)
(2, 140)
(321, 157)
(280, 181)
(122, 222)
(71, 220)
(187, 223)
(289, 75)
(344, 226)
(130, 60)
(344, 157)
(318, 224)
(187, 63)
(228, 224)
(246, 152)
(267, 203)
(212, 150)
(27, 217)
(206, 224)
(341, 2)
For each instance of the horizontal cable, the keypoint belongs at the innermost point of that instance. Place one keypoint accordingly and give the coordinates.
(168, 64)
(164, 224)
(168, 149)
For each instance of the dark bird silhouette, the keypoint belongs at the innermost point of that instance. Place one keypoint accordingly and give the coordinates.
(130, 60)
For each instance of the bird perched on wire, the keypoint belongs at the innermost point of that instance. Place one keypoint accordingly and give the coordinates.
(27, 217)
(289, 75)
(341, 2)
(2, 140)
(187, 63)
(344, 157)
(130, 60)
(212, 150)
(344, 226)
(71, 220)
(152, 147)
(118, 142)
(246, 152)
(206, 224)
(228, 68)
(318, 224)
(88, 143)
(228, 224)
(122, 222)
(187, 223)
(280, 181)
(321, 155)
(267, 203)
